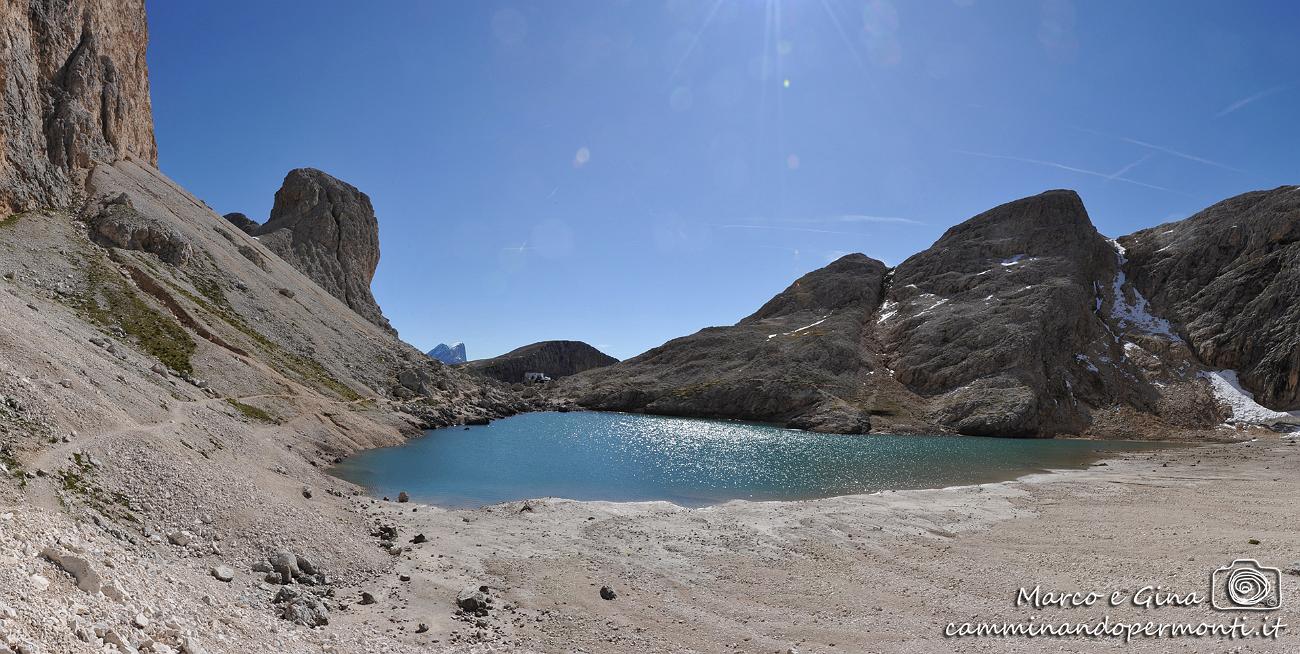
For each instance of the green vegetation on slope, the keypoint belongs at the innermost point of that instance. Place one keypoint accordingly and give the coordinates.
(113, 302)
(252, 412)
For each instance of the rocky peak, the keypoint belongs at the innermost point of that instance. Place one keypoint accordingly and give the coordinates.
(554, 359)
(824, 290)
(449, 354)
(327, 229)
(242, 222)
(1050, 224)
(76, 91)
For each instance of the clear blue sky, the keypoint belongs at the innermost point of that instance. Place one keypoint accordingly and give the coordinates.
(625, 172)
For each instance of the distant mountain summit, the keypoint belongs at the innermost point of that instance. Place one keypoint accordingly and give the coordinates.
(448, 354)
(553, 359)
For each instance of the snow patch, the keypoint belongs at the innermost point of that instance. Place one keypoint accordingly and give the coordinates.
(933, 306)
(1019, 258)
(1135, 315)
(796, 331)
(1245, 410)
(1083, 358)
(887, 311)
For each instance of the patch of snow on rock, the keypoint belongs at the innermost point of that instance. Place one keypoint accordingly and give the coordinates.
(1135, 315)
(1245, 410)
(887, 311)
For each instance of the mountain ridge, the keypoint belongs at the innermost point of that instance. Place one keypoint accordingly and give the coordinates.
(1020, 321)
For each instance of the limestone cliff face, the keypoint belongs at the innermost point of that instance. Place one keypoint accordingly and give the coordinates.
(555, 359)
(1230, 277)
(327, 229)
(76, 91)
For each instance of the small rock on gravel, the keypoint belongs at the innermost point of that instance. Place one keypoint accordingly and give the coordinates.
(223, 573)
(473, 598)
(607, 593)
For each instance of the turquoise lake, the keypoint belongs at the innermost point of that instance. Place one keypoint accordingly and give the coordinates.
(628, 457)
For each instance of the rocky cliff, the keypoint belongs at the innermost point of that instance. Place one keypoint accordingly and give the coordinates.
(76, 91)
(1021, 321)
(797, 360)
(448, 354)
(555, 359)
(1229, 277)
(327, 229)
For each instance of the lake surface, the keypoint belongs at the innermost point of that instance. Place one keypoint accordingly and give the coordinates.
(628, 457)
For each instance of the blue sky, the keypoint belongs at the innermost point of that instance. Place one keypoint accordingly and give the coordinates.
(626, 172)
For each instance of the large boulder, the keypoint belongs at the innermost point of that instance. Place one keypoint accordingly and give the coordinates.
(76, 91)
(327, 229)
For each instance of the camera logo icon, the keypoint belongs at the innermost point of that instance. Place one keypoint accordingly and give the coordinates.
(1246, 586)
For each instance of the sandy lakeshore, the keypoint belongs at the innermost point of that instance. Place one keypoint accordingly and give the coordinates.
(887, 572)
(878, 573)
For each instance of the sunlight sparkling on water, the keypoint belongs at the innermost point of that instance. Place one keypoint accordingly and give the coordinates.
(625, 457)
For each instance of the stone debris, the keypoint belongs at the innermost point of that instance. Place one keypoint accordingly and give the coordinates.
(87, 579)
(223, 573)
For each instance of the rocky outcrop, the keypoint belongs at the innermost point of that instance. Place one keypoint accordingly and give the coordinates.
(1229, 277)
(554, 359)
(796, 360)
(327, 229)
(115, 222)
(449, 354)
(76, 91)
(241, 222)
(987, 319)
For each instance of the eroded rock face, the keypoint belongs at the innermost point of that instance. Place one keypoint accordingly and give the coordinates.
(76, 91)
(555, 359)
(794, 361)
(115, 222)
(327, 229)
(994, 309)
(1230, 277)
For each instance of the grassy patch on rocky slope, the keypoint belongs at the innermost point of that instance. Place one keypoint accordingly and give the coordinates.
(214, 303)
(112, 302)
(252, 412)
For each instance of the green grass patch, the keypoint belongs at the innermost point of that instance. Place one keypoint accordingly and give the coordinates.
(76, 481)
(252, 412)
(114, 302)
(304, 369)
(10, 221)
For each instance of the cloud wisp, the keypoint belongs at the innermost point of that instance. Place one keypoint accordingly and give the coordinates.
(884, 220)
(783, 228)
(1251, 99)
(1061, 166)
(1166, 150)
